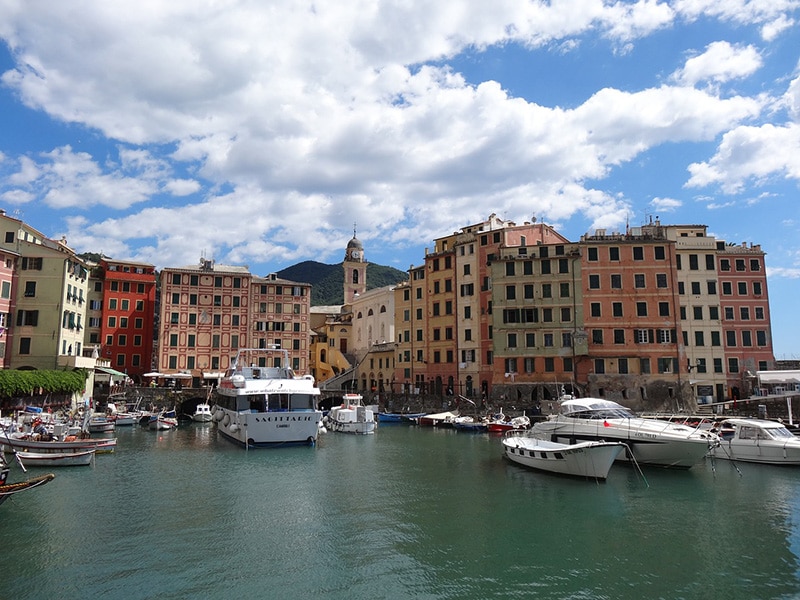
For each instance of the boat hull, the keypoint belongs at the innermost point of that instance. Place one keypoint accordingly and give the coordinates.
(587, 459)
(56, 459)
(98, 444)
(265, 429)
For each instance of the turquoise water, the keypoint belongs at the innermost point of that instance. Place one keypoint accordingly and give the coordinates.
(406, 513)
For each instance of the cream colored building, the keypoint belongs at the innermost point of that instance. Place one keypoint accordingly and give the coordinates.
(50, 300)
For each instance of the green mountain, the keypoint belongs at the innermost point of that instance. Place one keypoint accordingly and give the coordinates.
(327, 281)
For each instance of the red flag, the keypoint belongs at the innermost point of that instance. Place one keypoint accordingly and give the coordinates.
(605, 424)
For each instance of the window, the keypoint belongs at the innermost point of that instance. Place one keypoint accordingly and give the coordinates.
(724, 264)
(733, 365)
(616, 309)
(509, 269)
(710, 263)
(547, 315)
(715, 338)
(638, 253)
(595, 309)
(638, 280)
(511, 292)
(713, 313)
(566, 339)
(619, 336)
(747, 338)
(644, 366)
(759, 311)
(756, 288)
(28, 317)
(566, 315)
(545, 266)
(695, 288)
(547, 290)
(528, 291)
(744, 313)
(717, 365)
(616, 282)
(698, 338)
(592, 254)
(549, 364)
(761, 339)
(548, 340)
(597, 336)
(622, 365)
(613, 253)
(740, 264)
(30, 290)
(530, 340)
(661, 280)
(663, 309)
(712, 288)
(599, 366)
(530, 364)
(727, 288)
(512, 340)
(563, 265)
(25, 345)
(742, 288)
(594, 282)
(697, 313)
(730, 339)
(641, 309)
(693, 264)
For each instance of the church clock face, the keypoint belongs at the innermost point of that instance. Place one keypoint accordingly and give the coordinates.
(355, 254)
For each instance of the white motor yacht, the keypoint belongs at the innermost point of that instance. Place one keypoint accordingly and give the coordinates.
(650, 441)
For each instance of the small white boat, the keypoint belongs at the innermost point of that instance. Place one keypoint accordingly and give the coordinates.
(757, 441)
(202, 413)
(57, 459)
(352, 416)
(100, 423)
(585, 459)
(163, 421)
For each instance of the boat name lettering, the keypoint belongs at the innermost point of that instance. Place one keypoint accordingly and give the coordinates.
(278, 419)
(644, 435)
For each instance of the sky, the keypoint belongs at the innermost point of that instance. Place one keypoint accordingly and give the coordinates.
(257, 133)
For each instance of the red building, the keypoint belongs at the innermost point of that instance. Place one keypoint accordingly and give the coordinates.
(128, 310)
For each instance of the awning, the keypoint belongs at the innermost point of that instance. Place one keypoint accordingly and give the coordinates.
(215, 375)
(111, 371)
(154, 374)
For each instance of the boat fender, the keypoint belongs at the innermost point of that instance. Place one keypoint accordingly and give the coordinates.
(226, 420)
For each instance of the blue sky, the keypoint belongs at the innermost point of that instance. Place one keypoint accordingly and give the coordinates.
(256, 133)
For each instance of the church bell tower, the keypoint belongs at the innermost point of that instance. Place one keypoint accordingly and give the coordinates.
(355, 270)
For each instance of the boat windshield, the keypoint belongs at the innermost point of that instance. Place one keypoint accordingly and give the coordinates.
(779, 433)
(595, 409)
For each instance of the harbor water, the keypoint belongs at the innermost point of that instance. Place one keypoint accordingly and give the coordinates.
(409, 512)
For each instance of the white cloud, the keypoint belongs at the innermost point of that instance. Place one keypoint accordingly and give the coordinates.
(281, 123)
(665, 204)
(783, 272)
(750, 154)
(720, 62)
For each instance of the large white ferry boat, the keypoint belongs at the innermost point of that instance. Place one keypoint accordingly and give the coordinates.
(261, 402)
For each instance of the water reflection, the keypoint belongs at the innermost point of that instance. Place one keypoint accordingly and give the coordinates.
(407, 513)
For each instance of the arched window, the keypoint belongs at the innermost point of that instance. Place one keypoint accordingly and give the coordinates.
(355, 275)
(383, 308)
(370, 312)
